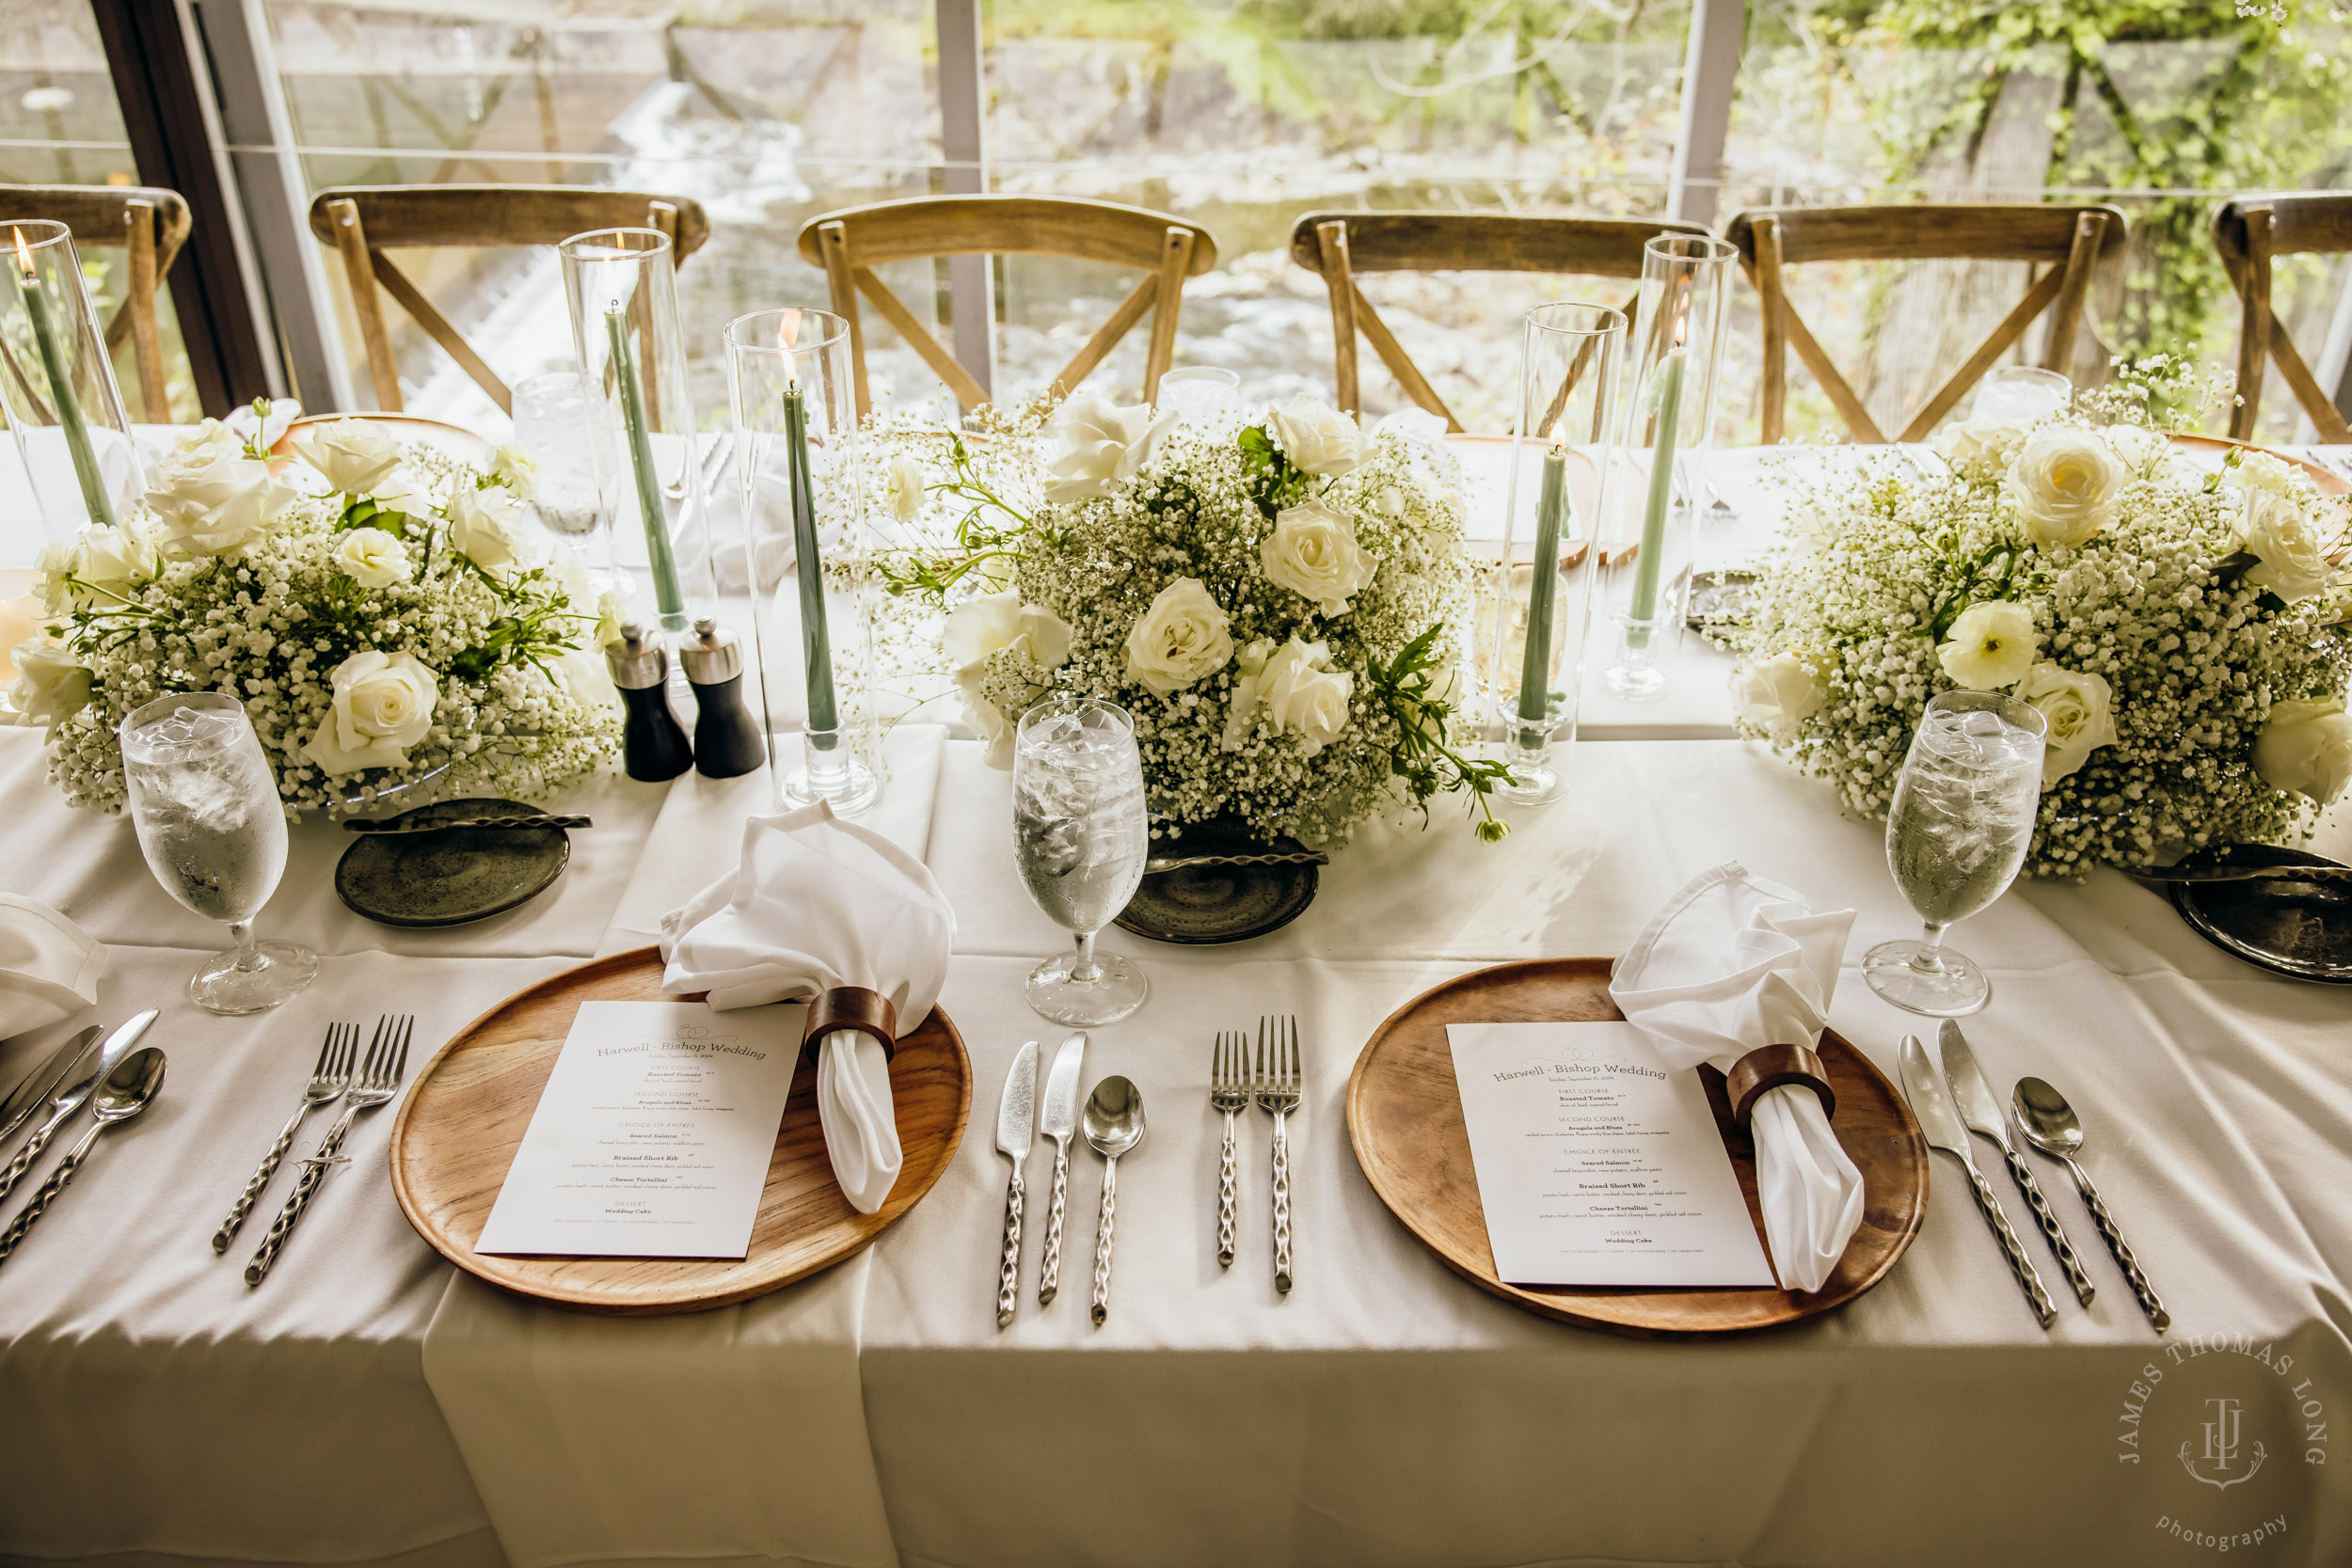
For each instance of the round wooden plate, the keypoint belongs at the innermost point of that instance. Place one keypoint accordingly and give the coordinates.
(1405, 1118)
(458, 1130)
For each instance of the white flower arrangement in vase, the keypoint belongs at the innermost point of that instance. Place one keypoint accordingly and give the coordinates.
(1277, 603)
(404, 627)
(2183, 633)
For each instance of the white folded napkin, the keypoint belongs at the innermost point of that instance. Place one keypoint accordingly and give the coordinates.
(49, 966)
(1733, 963)
(818, 903)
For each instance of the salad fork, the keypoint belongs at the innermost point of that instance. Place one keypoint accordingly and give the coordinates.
(378, 1082)
(328, 1080)
(1230, 1090)
(1277, 1090)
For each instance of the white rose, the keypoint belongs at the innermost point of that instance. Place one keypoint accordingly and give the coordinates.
(109, 558)
(1248, 692)
(1179, 639)
(1103, 444)
(1299, 695)
(1777, 695)
(1312, 552)
(354, 455)
(211, 498)
(2065, 485)
(1991, 646)
(2260, 470)
(51, 686)
(57, 561)
(2292, 558)
(983, 625)
(2079, 711)
(907, 488)
(1316, 437)
(612, 608)
(2140, 446)
(485, 527)
(510, 468)
(2306, 748)
(1980, 449)
(383, 704)
(371, 558)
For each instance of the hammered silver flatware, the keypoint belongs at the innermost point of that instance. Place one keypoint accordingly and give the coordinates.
(1057, 1118)
(401, 825)
(1982, 1113)
(377, 1082)
(71, 1096)
(1932, 1103)
(1114, 1126)
(41, 1082)
(1229, 1091)
(128, 1089)
(2051, 1126)
(328, 1080)
(1016, 1130)
(1276, 1087)
(1271, 857)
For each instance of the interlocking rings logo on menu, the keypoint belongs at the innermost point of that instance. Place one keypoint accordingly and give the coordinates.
(2232, 1416)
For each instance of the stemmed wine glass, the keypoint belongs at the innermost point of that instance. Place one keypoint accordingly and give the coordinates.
(1081, 836)
(1962, 819)
(213, 832)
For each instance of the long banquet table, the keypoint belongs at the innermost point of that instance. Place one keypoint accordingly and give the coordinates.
(368, 1404)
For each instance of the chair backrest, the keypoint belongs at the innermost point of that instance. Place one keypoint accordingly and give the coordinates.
(2069, 241)
(2248, 230)
(362, 222)
(151, 224)
(1339, 246)
(850, 244)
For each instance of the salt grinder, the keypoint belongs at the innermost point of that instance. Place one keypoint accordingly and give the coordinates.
(726, 742)
(652, 746)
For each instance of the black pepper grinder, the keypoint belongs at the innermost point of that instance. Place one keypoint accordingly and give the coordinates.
(726, 742)
(652, 746)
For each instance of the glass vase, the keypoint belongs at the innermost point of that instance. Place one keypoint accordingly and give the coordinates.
(1677, 353)
(1535, 612)
(621, 285)
(805, 551)
(57, 384)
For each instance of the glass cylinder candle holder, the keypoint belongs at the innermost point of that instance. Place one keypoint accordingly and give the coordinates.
(622, 288)
(57, 384)
(1676, 361)
(797, 456)
(1535, 615)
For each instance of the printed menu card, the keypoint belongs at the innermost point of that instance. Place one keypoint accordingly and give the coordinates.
(1599, 1165)
(653, 1136)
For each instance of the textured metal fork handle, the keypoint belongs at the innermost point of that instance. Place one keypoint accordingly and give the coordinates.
(2112, 1234)
(2052, 1232)
(25, 1156)
(1283, 1202)
(1008, 1267)
(2019, 1265)
(315, 1171)
(1225, 1194)
(47, 1193)
(252, 1194)
(1103, 1219)
(1049, 1277)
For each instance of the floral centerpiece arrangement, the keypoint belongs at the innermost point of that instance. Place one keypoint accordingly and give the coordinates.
(2181, 632)
(1277, 603)
(403, 626)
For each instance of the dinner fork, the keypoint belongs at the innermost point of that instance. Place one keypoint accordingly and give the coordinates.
(1228, 1091)
(328, 1080)
(1277, 1090)
(378, 1081)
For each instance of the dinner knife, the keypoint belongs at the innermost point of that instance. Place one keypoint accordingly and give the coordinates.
(1982, 1113)
(1933, 1105)
(43, 1081)
(1057, 1118)
(69, 1099)
(1016, 1115)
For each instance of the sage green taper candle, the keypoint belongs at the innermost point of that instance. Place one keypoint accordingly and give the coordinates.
(1542, 590)
(1643, 607)
(666, 596)
(815, 642)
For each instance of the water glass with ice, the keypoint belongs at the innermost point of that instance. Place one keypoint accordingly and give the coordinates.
(563, 430)
(213, 832)
(1081, 836)
(1962, 819)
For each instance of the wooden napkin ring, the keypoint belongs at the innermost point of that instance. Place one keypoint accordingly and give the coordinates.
(1767, 1068)
(868, 1012)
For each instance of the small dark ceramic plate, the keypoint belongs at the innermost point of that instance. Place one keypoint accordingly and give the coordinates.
(450, 878)
(2288, 926)
(1203, 905)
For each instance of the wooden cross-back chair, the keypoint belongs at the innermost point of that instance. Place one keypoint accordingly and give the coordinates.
(2068, 241)
(849, 245)
(1339, 246)
(2248, 230)
(151, 224)
(362, 222)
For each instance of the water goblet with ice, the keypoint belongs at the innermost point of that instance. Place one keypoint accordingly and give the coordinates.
(213, 832)
(1962, 819)
(1081, 836)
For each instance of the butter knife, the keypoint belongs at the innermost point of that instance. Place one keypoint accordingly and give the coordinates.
(1933, 1105)
(1982, 1113)
(1016, 1115)
(69, 1099)
(43, 1081)
(1057, 1118)
(2332, 875)
(400, 825)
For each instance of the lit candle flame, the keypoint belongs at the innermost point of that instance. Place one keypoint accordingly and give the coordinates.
(24, 255)
(787, 333)
(1552, 434)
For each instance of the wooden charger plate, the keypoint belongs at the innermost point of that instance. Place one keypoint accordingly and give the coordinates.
(458, 1130)
(1405, 1118)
